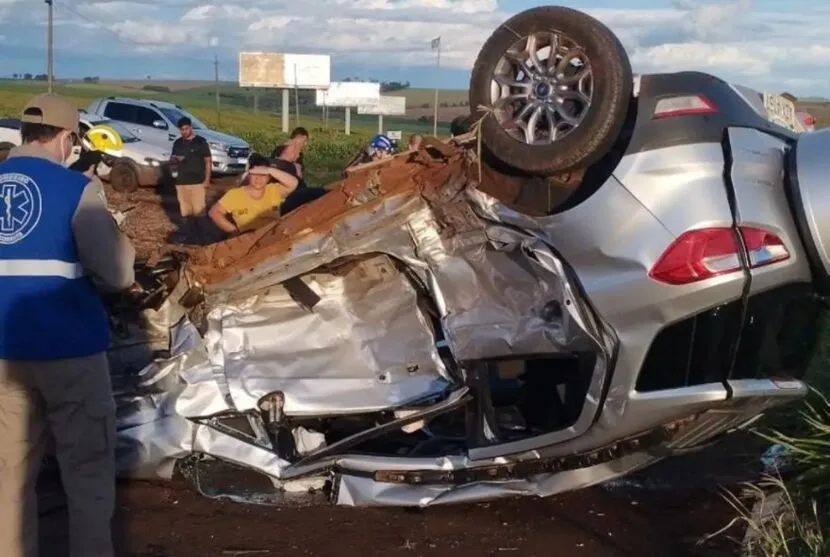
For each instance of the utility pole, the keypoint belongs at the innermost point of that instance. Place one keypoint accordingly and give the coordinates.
(296, 94)
(216, 80)
(50, 60)
(436, 45)
(286, 108)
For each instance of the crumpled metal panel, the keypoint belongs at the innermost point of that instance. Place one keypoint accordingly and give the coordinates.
(503, 292)
(152, 435)
(136, 339)
(365, 346)
(368, 343)
(361, 491)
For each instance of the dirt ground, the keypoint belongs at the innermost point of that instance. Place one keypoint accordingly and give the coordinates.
(664, 511)
(661, 512)
(152, 214)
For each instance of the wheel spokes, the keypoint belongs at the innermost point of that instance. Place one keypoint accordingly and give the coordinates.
(540, 98)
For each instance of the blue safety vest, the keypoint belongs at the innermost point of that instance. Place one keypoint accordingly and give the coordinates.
(48, 308)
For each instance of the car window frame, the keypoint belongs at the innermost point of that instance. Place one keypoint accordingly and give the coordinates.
(129, 111)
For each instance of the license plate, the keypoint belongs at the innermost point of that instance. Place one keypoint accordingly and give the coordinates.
(781, 111)
(242, 160)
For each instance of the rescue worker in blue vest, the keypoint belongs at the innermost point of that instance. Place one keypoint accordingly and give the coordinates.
(59, 245)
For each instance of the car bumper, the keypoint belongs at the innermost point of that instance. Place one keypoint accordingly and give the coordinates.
(149, 175)
(550, 471)
(223, 164)
(698, 419)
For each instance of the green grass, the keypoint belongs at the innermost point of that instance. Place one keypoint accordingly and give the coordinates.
(328, 151)
(800, 525)
(235, 103)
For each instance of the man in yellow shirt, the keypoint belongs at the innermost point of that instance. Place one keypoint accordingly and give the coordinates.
(248, 204)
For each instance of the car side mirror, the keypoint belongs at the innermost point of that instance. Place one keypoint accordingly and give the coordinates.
(160, 124)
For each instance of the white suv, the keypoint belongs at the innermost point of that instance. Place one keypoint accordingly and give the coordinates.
(157, 122)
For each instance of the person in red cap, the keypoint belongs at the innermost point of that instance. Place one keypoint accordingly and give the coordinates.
(59, 246)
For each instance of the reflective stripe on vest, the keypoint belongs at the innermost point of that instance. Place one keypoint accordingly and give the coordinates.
(40, 268)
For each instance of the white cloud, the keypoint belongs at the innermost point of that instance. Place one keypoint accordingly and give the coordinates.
(733, 38)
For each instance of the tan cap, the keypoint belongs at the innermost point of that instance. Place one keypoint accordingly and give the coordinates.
(52, 110)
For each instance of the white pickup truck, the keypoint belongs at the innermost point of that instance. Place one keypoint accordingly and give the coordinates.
(134, 164)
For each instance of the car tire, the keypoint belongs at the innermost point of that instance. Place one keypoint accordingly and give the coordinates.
(124, 176)
(589, 115)
(5, 147)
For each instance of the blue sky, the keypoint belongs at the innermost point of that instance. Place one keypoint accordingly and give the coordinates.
(766, 44)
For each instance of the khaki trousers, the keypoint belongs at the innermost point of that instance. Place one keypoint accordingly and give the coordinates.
(71, 399)
(191, 200)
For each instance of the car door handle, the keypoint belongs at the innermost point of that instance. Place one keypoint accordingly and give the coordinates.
(171, 137)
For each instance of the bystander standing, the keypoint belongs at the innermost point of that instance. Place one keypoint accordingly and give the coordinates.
(59, 246)
(192, 160)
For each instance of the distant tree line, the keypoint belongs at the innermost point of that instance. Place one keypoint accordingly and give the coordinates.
(385, 86)
(31, 77)
(446, 104)
(157, 88)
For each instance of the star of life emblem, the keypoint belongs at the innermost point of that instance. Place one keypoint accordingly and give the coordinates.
(20, 207)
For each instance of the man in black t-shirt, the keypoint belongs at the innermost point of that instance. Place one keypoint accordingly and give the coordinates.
(192, 160)
(191, 156)
(292, 150)
(289, 158)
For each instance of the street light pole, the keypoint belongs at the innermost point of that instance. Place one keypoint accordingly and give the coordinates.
(50, 63)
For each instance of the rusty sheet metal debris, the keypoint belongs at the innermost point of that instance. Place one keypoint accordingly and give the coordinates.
(438, 172)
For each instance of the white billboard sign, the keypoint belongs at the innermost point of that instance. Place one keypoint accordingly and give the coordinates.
(348, 94)
(280, 71)
(386, 106)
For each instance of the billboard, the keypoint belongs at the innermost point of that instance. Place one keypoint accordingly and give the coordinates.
(348, 94)
(283, 71)
(386, 106)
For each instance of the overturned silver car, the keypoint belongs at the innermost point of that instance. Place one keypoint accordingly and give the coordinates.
(460, 324)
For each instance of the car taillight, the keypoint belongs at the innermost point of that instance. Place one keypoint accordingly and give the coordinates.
(686, 105)
(764, 247)
(708, 252)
